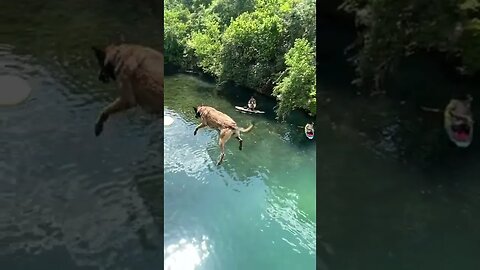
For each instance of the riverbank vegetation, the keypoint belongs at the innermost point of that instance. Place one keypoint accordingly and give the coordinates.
(265, 45)
(389, 30)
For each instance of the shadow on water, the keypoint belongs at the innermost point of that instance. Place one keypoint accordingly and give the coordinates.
(69, 199)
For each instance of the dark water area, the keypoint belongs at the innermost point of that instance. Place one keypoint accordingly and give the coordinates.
(392, 192)
(71, 200)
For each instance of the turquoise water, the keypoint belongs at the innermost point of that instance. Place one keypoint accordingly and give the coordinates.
(256, 210)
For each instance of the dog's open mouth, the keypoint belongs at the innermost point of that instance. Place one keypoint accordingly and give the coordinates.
(461, 132)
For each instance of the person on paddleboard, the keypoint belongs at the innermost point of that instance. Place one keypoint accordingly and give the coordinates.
(252, 103)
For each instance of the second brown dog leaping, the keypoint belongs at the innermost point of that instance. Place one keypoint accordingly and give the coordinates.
(223, 123)
(138, 71)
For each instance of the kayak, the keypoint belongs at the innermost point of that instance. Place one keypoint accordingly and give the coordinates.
(309, 133)
(247, 110)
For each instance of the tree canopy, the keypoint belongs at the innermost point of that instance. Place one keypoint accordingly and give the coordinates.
(391, 29)
(266, 45)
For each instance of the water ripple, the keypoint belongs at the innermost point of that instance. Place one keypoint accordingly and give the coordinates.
(55, 193)
(286, 212)
(254, 206)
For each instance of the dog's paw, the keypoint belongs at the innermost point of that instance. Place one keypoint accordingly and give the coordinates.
(195, 132)
(98, 129)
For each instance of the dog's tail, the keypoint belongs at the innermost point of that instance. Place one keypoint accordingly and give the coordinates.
(245, 130)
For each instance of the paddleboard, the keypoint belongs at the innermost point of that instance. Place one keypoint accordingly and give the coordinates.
(243, 109)
(167, 121)
(309, 135)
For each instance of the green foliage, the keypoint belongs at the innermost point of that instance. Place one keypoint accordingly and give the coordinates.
(176, 34)
(297, 89)
(393, 29)
(245, 42)
(300, 20)
(470, 45)
(206, 45)
(228, 10)
(252, 48)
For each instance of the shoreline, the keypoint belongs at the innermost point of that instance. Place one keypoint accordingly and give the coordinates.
(171, 70)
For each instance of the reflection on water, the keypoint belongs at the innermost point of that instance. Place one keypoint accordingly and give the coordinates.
(257, 209)
(70, 200)
(186, 255)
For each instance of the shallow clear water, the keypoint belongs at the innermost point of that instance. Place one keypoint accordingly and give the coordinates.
(256, 210)
(70, 200)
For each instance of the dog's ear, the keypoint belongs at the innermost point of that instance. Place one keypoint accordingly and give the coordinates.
(107, 71)
(100, 55)
(197, 114)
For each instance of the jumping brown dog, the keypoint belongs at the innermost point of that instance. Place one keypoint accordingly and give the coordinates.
(138, 71)
(225, 125)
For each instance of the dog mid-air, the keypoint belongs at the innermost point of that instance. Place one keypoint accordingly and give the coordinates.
(138, 71)
(225, 125)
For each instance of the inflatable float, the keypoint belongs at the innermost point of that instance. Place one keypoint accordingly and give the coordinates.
(459, 130)
(309, 131)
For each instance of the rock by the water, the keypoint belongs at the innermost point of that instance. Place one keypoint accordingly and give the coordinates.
(13, 90)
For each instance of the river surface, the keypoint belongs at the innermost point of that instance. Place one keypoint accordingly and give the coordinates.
(256, 210)
(70, 200)
(392, 192)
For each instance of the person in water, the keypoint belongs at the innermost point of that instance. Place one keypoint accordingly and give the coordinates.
(252, 103)
(459, 109)
(459, 120)
(309, 129)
